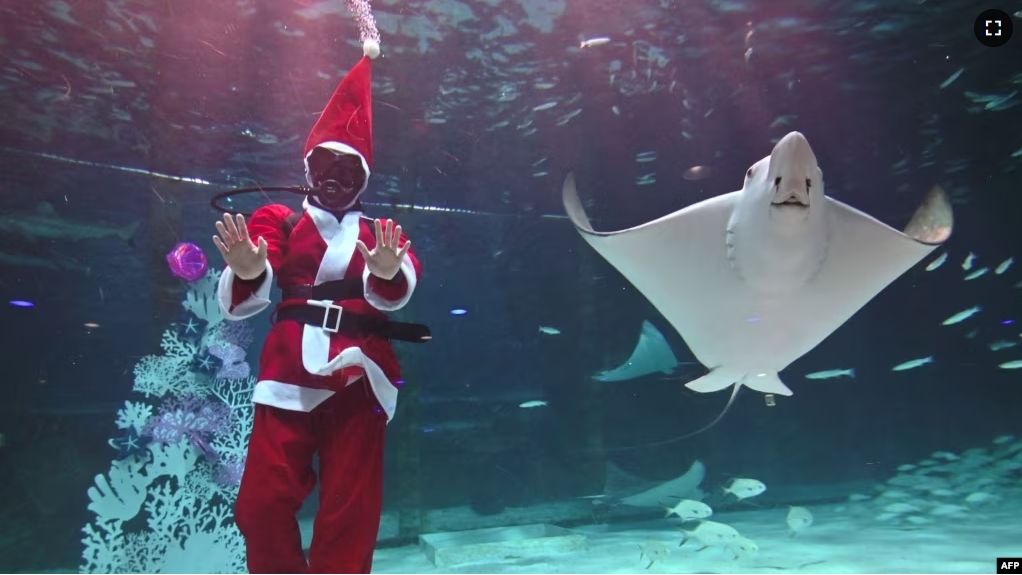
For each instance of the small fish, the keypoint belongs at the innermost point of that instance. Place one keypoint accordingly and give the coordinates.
(545, 106)
(967, 264)
(533, 403)
(905, 468)
(977, 273)
(913, 363)
(948, 509)
(743, 488)
(951, 78)
(999, 345)
(782, 121)
(687, 510)
(654, 551)
(549, 330)
(1017, 364)
(962, 315)
(741, 546)
(937, 262)
(696, 173)
(593, 42)
(539, 161)
(980, 497)
(709, 533)
(830, 373)
(1003, 266)
(459, 311)
(748, 55)
(798, 519)
(901, 507)
(540, 174)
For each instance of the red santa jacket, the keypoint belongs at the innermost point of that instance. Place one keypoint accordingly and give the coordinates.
(302, 365)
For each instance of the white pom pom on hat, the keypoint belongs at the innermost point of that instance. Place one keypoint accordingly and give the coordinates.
(371, 48)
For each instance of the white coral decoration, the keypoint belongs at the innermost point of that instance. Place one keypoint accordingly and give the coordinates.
(187, 513)
(177, 348)
(201, 299)
(156, 375)
(134, 416)
(176, 459)
(159, 375)
(120, 497)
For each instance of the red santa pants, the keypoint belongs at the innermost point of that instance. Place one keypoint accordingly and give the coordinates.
(348, 433)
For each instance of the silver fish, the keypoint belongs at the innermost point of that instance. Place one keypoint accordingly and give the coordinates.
(913, 363)
(962, 315)
(832, 373)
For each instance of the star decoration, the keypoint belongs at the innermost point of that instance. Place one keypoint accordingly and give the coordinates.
(190, 328)
(129, 444)
(205, 362)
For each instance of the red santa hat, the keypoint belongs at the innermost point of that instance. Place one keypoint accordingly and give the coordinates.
(346, 124)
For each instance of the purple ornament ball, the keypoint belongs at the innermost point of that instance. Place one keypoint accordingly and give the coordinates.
(187, 261)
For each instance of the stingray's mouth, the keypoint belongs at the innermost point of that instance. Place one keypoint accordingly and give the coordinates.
(794, 197)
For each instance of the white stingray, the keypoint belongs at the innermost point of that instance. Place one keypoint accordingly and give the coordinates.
(754, 279)
(652, 354)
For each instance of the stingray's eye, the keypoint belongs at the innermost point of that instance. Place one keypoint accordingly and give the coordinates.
(777, 181)
(809, 184)
(749, 173)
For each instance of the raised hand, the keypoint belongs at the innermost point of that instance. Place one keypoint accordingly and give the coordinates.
(245, 259)
(384, 261)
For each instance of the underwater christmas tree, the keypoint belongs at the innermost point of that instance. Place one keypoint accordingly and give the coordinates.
(166, 505)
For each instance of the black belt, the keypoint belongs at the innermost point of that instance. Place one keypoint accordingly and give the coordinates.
(335, 320)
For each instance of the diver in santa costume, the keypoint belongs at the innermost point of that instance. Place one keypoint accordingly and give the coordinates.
(328, 375)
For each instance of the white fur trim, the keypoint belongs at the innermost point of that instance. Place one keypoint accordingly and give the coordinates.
(292, 397)
(382, 304)
(371, 48)
(316, 360)
(344, 149)
(288, 396)
(340, 237)
(248, 308)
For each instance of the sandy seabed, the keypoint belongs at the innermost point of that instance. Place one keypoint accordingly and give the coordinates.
(837, 542)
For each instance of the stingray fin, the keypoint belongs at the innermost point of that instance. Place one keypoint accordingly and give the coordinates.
(933, 220)
(687, 290)
(716, 380)
(866, 255)
(767, 382)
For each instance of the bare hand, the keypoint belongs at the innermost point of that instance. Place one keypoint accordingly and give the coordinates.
(243, 257)
(384, 261)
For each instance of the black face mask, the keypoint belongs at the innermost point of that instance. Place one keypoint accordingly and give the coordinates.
(337, 178)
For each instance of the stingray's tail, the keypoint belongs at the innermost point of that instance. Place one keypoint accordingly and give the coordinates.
(730, 401)
(720, 378)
